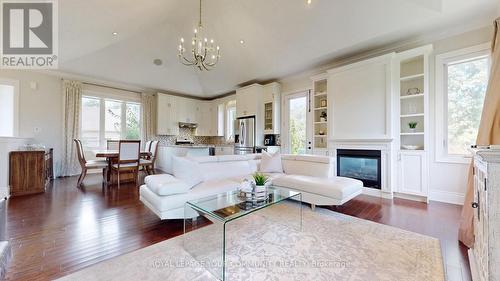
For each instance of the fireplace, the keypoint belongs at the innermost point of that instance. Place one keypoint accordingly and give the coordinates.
(364, 165)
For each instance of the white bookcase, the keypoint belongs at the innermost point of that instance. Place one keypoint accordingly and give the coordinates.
(412, 127)
(320, 115)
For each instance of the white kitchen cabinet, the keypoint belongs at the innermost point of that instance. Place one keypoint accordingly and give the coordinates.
(272, 108)
(206, 119)
(167, 123)
(248, 100)
(412, 176)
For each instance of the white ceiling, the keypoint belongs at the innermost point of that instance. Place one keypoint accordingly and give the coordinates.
(282, 37)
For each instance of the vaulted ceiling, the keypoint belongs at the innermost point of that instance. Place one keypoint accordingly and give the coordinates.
(281, 36)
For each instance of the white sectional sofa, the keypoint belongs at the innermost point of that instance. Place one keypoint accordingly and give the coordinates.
(313, 176)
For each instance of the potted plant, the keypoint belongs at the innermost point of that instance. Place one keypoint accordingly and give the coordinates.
(322, 116)
(413, 126)
(260, 190)
(260, 179)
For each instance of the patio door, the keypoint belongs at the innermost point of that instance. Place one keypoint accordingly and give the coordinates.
(298, 130)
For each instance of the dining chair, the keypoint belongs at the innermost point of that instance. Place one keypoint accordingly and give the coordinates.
(88, 165)
(149, 162)
(128, 159)
(112, 144)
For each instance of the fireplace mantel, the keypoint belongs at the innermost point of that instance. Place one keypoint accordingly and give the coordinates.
(375, 140)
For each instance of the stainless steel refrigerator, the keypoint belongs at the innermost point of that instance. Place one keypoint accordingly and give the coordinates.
(244, 135)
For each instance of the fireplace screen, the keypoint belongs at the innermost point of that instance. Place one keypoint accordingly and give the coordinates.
(363, 165)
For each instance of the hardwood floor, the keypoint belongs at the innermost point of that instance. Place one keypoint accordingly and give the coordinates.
(67, 229)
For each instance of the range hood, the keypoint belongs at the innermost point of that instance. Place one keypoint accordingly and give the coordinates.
(188, 125)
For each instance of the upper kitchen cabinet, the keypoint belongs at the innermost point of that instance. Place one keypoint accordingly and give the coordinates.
(272, 108)
(248, 100)
(206, 116)
(187, 110)
(167, 122)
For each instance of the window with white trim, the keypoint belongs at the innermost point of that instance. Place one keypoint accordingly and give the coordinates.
(109, 119)
(462, 80)
(9, 100)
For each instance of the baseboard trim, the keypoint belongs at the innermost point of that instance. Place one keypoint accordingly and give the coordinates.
(447, 197)
(4, 193)
(377, 193)
(412, 197)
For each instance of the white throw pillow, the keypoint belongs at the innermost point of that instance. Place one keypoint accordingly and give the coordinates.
(271, 163)
(187, 171)
(165, 184)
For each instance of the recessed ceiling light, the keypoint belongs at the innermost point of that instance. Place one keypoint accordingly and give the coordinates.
(115, 33)
(242, 41)
(157, 62)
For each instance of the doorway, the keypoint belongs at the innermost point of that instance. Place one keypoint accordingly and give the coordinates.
(297, 115)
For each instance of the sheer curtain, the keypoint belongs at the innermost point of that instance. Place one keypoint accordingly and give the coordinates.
(489, 133)
(148, 102)
(72, 93)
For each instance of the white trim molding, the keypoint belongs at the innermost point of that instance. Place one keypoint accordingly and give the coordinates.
(446, 196)
(442, 60)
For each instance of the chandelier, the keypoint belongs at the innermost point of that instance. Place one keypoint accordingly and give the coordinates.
(204, 54)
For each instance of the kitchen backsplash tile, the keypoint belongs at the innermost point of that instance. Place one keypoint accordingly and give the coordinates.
(189, 134)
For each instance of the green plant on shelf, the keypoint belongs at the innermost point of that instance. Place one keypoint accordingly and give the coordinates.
(412, 125)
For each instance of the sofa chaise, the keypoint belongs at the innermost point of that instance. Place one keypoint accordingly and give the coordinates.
(313, 176)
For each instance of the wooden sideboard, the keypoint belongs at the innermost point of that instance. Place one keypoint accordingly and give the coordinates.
(484, 256)
(30, 171)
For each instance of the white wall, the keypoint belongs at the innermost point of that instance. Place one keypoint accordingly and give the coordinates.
(447, 181)
(40, 109)
(359, 98)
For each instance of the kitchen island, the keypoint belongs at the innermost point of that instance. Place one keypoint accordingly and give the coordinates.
(167, 152)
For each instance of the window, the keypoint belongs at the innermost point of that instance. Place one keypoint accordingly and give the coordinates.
(8, 108)
(231, 117)
(461, 87)
(104, 119)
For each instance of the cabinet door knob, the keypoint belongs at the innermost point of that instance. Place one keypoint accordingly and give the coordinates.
(475, 205)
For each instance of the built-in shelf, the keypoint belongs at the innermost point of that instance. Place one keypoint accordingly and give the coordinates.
(412, 115)
(412, 96)
(321, 122)
(412, 77)
(320, 94)
(320, 108)
(413, 134)
(320, 136)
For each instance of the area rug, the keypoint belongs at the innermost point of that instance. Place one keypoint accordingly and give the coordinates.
(262, 246)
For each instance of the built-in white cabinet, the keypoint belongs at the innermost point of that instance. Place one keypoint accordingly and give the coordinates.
(248, 100)
(412, 173)
(319, 115)
(167, 122)
(411, 101)
(272, 108)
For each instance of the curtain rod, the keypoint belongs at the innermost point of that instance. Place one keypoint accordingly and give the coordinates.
(109, 87)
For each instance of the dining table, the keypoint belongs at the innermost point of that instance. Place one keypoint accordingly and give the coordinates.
(112, 155)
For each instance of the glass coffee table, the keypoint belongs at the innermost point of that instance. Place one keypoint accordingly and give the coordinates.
(208, 244)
